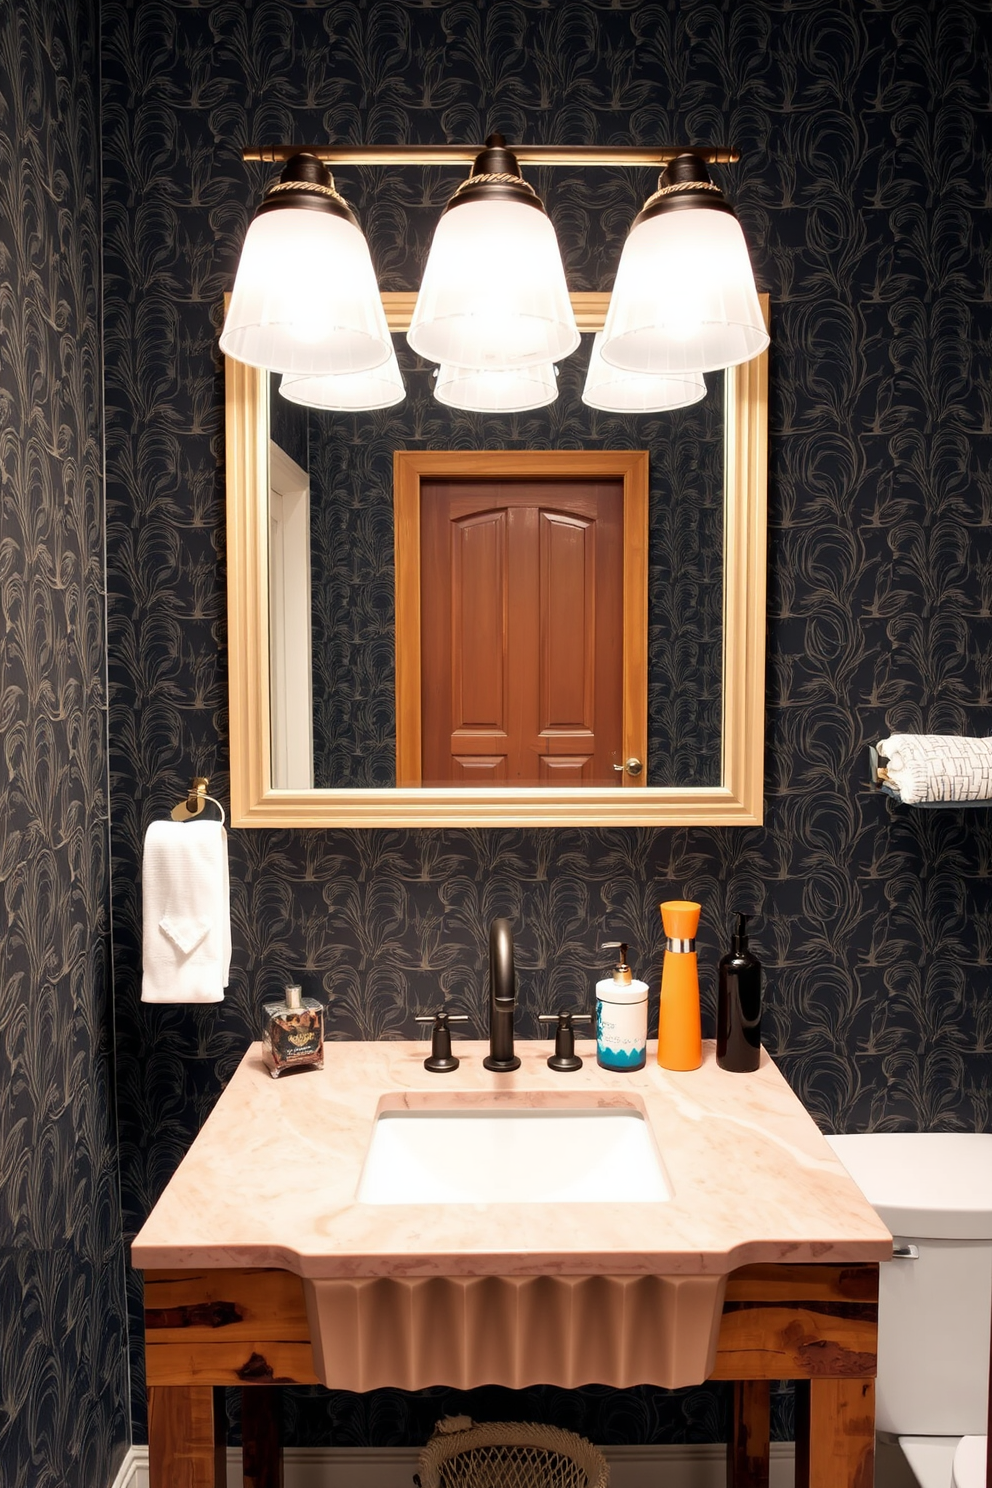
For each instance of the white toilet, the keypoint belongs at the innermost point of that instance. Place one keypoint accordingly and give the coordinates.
(934, 1191)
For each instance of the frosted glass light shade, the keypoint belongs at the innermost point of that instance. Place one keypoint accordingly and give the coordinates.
(482, 390)
(618, 391)
(494, 292)
(348, 392)
(685, 298)
(305, 299)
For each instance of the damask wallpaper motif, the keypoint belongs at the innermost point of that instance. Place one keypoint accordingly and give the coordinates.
(63, 1374)
(865, 171)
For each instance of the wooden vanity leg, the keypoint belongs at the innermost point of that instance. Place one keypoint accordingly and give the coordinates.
(750, 1432)
(801, 1388)
(835, 1433)
(261, 1437)
(185, 1438)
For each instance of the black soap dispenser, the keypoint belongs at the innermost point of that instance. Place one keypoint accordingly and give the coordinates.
(738, 1014)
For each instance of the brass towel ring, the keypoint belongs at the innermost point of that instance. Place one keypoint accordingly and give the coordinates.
(196, 799)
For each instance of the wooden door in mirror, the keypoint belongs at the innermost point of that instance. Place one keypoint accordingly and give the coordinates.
(521, 616)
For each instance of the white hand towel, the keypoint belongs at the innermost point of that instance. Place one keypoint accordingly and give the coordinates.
(938, 767)
(186, 904)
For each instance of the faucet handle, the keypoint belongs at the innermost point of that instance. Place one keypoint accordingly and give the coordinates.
(564, 1059)
(441, 1061)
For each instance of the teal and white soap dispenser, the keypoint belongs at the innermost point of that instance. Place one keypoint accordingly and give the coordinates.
(621, 1016)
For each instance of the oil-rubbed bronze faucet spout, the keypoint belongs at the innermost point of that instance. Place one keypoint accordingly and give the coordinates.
(502, 998)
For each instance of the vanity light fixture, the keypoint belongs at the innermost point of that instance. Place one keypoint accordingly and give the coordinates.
(496, 390)
(305, 298)
(348, 392)
(684, 298)
(493, 297)
(493, 293)
(616, 391)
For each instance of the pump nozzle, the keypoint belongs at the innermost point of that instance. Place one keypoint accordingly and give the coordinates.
(739, 942)
(622, 974)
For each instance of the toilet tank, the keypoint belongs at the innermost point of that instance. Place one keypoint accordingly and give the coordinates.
(934, 1191)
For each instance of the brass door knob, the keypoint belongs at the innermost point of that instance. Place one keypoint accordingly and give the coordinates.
(632, 766)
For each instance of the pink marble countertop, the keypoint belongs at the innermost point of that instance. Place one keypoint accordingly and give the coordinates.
(272, 1176)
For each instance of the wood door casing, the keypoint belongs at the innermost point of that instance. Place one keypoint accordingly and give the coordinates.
(521, 632)
(566, 551)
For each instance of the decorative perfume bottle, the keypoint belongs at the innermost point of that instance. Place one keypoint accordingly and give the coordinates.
(294, 1033)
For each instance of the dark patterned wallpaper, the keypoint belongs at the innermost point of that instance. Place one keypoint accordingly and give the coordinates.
(63, 1371)
(864, 182)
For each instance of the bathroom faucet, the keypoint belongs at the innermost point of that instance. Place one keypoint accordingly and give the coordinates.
(502, 998)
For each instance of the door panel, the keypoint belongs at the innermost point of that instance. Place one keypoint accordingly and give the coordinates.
(480, 769)
(566, 769)
(478, 607)
(568, 615)
(521, 632)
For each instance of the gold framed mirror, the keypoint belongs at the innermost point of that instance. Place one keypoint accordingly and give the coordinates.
(736, 800)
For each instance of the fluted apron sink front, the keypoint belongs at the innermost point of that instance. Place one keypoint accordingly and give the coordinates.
(412, 1332)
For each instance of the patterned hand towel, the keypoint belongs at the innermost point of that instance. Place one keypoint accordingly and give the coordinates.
(938, 767)
(186, 904)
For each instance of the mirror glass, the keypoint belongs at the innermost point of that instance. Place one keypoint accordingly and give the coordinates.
(312, 601)
(342, 466)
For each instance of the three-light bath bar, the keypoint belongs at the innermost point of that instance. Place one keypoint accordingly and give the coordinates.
(493, 309)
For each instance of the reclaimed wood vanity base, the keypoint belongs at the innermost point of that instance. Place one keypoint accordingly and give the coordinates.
(813, 1324)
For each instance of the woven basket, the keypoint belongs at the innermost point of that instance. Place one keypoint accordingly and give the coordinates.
(511, 1454)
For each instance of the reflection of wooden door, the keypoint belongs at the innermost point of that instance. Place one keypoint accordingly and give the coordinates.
(524, 574)
(521, 632)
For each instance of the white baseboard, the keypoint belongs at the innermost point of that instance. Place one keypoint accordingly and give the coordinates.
(690, 1466)
(133, 1471)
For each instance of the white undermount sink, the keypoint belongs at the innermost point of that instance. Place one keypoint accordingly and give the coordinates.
(513, 1155)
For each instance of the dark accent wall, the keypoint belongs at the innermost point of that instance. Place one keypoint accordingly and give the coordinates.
(63, 1368)
(863, 187)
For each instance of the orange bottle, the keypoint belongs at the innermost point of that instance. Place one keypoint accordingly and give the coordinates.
(680, 1045)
